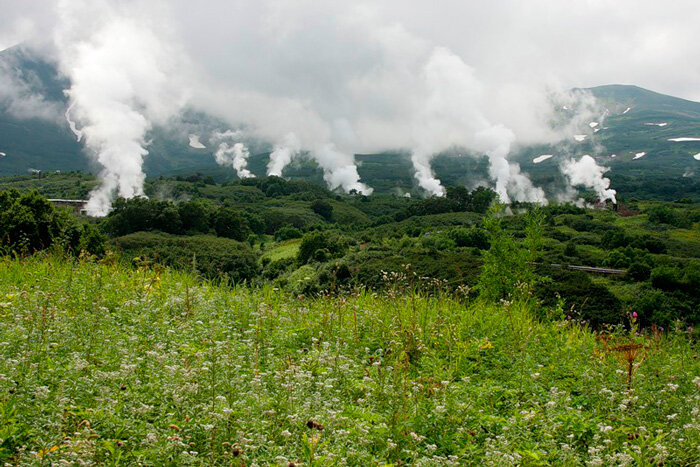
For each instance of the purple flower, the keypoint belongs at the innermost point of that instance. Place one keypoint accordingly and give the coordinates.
(634, 314)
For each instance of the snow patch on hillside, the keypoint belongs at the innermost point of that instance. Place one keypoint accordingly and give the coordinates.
(541, 158)
(580, 138)
(195, 143)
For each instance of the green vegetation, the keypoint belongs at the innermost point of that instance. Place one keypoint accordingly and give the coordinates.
(112, 365)
(29, 223)
(273, 321)
(309, 240)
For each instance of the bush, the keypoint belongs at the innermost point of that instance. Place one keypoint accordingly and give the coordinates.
(230, 223)
(212, 256)
(194, 216)
(666, 215)
(323, 208)
(667, 278)
(476, 238)
(29, 223)
(593, 303)
(287, 232)
(274, 269)
(639, 271)
(437, 242)
(331, 245)
(303, 281)
(143, 214)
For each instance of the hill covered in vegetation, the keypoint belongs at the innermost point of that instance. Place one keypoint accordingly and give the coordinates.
(309, 241)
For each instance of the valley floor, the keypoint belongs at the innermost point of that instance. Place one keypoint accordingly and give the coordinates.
(102, 363)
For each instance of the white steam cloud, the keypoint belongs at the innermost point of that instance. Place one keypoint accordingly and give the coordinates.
(235, 156)
(586, 172)
(282, 154)
(328, 80)
(119, 71)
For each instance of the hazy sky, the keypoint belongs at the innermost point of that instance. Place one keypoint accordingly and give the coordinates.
(650, 43)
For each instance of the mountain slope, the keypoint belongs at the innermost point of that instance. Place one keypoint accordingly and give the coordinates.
(633, 139)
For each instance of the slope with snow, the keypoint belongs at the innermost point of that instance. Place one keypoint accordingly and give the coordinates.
(195, 143)
(541, 158)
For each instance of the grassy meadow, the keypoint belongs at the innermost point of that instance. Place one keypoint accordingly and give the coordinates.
(102, 363)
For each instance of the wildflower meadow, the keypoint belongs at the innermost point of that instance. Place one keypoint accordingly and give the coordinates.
(105, 364)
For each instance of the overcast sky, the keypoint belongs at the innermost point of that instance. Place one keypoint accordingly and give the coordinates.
(650, 43)
(340, 78)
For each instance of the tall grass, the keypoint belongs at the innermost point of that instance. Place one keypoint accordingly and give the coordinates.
(103, 363)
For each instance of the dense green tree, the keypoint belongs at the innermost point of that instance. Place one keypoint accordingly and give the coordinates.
(230, 223)
(330, 244)
(323, 208)
(481, 199)
(194, 216)
(28, 223)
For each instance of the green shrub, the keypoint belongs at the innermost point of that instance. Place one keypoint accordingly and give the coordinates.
(29, 223)
(582, 298)
(213, 256)
(639, 271)
(287, 232)
(230, 223)
(476, 238)
(323, 208)
(332, 245)
(667, 278)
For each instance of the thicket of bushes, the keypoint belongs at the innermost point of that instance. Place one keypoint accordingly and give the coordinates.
(29, 223)
(354, 241)
(211, 256)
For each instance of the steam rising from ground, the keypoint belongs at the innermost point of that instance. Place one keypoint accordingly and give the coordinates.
(323, 80)
(119, 72)
(235, 155)
(586, 172)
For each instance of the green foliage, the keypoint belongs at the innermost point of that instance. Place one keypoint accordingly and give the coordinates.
(323, 208)
(287, 233)
(110, 365)
(321, 246)
(639, 271)
(667, 215)
(142, 214)
(230, 223)
(213, 257)
(194, 216)
(507, 266)
(29, 223)
(583, 299)
(474, 237)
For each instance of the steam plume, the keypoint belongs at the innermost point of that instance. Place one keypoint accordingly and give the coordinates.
(586, 172)
(235, 155)
(282, 154)
(118, 68)
(452, 115)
